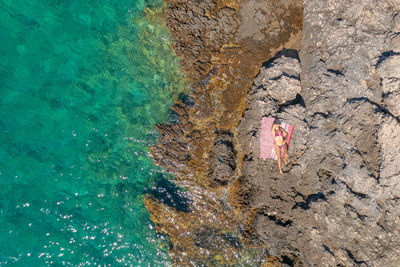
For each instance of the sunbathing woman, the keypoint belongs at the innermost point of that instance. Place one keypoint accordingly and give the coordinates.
(280, 139)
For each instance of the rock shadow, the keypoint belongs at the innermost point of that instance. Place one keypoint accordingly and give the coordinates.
(169, 194)
(290, 53)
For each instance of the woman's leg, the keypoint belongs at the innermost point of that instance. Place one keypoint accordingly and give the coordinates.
(278, 154)
(285, 153)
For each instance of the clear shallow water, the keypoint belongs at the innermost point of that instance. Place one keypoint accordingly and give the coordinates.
(82, 85)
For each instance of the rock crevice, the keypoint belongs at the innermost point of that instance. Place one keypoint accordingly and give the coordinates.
(342, 181)
(337, 203)
(222, 45)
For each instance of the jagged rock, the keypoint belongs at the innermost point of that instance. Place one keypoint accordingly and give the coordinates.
(223, 160)
(199, 28)
(338, 203)
(281, 78)
(389, 71)
(197, 149)
(270, 198)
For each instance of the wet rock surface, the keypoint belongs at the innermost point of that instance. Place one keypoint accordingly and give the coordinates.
(200, 149)
(338, 202)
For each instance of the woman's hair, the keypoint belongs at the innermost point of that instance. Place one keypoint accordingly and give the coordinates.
(276, 121)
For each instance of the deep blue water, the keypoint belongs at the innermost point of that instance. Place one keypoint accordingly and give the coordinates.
(82, 85)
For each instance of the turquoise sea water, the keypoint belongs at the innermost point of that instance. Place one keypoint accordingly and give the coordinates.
(82, 84)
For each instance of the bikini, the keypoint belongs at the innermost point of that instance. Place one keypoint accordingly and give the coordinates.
(280, 134)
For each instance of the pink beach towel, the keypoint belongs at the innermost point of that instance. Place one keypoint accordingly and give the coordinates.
(267, 140)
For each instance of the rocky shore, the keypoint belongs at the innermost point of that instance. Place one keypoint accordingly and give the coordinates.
(331, 68)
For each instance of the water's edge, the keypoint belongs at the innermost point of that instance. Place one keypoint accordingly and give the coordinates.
(83, 85)
(202, 151)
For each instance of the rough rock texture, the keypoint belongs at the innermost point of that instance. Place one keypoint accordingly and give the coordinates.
(199, 28)
(222, 45)
(338, 202)
(280, 74)
(223, 159)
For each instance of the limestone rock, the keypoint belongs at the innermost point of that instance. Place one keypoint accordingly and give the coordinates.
(223, 160)
(199, 28)
(281, 77)
(199, 148)
(338, 202)
(389, 71)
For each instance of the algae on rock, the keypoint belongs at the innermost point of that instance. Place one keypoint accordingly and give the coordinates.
(223, 56)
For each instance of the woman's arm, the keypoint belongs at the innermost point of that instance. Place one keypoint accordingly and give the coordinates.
(284, 135)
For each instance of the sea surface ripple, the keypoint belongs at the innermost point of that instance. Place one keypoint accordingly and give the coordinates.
(82, 85)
